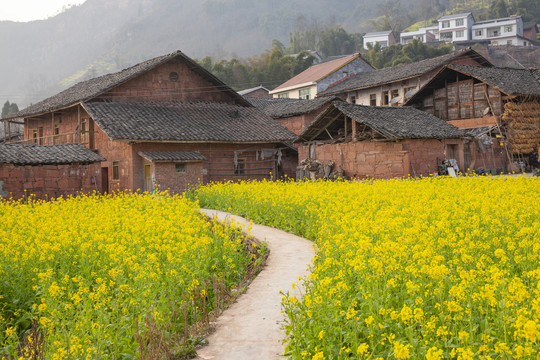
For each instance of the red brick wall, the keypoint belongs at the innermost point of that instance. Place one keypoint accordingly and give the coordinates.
(48, 181)
(218, 167)
(155, 85)
(166, 177)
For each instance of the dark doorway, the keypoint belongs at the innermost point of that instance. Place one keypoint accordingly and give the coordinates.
(104, 180)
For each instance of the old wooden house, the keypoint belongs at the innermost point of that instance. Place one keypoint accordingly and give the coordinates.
(165, 122)
(499, 106)
(379, 142)
(393, 86)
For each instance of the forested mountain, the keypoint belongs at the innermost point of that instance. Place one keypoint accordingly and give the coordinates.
(40, 58)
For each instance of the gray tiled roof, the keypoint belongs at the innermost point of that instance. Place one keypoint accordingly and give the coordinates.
(276, 108)
(186, 122)
(400, 72)
(247, 91)
(174, 156)
(47, 154)
(509, 81)
(92, 88)
(391, 122)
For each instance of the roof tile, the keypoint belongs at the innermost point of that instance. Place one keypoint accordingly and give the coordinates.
(47, 154)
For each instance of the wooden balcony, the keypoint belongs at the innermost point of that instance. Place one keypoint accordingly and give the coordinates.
(86, 138)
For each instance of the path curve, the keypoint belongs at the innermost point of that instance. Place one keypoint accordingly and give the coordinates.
(251, 328)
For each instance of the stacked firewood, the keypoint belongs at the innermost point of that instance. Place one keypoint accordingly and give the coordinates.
(523, 126)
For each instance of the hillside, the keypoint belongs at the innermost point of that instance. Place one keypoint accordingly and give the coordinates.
(101, 36)
(42, 57)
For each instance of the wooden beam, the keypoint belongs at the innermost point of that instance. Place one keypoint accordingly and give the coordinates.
(446, 103)
(328, 132)
(325, 126)
(353, 130)
(472, 96)
(458, 99)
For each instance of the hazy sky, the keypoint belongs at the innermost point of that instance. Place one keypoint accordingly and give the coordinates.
(28, 10)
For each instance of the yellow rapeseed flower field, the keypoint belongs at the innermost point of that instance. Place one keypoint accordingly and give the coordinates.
(443, 268)
(96, 275)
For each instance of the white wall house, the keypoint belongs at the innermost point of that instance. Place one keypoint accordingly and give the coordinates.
(463, 27)
(424, 34)
(456, 27)
(384, 38)
(505, 31)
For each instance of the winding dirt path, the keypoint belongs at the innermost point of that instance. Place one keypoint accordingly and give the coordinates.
(252, 327)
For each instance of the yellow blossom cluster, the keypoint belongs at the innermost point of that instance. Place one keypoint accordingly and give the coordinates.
(90, 273)
(442, 268)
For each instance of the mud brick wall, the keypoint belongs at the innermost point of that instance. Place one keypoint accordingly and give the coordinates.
(385, 160)
(48, 181)
(297, 124)
(363, 159)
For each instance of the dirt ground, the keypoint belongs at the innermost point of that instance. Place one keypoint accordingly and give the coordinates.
(252, 327)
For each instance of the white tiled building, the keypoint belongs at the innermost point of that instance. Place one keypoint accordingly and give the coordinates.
(463, 27)
(456, 27)
(505, 31)
(424, 34)
(384, 38)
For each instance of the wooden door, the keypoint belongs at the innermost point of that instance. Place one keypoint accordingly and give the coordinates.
(148, 178)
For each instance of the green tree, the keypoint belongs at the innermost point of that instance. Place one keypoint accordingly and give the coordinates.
(500, 9)
(9, 109)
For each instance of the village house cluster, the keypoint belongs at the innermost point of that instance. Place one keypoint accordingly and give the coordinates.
(463, 28)
(168, 123)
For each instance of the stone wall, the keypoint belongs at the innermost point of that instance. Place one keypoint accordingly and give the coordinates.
(48, 181)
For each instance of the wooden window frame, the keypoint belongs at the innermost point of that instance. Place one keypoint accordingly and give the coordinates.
(180, 168)
(115, 170)
(240, 166)
(372, 99)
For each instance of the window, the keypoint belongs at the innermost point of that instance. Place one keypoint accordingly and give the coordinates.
(352, 99)
(478, 32)
(508, 28)
(460, 22)
(460, 33)
(447, 36)
(34, 136)
(180, 168)
(283, 95)
(40, 135)
(173, 76)
(304, 93)
(383, 43)
(385, 98)
(509, 42)
(56, 133)
(240, 167)
(445, 24)
(83, 126)
(394, 94)
(115, 170)
(373, 99)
